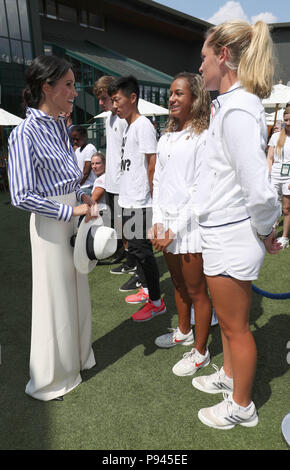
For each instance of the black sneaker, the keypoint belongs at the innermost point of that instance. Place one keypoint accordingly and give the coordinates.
(133, 284)
(123, 269)
(119, 256)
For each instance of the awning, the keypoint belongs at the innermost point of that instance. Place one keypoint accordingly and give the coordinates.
(111, 62)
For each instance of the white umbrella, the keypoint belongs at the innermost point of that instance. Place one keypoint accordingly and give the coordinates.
(8, 119)
(280, 96)
(145, 108)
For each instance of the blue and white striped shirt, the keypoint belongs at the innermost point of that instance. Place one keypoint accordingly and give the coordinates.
(42, 164)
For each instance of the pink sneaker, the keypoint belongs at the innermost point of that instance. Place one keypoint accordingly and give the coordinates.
(149, 311)
(138, 298)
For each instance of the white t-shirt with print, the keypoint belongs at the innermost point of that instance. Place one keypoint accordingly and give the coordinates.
(139, 138)
(114, 133)
(85, 155)
(284, 157)
(100, 182)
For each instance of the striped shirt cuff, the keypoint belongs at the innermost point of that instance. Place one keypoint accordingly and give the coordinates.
(65, 213)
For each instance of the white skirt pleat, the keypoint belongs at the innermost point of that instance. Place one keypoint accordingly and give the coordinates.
(61, 310)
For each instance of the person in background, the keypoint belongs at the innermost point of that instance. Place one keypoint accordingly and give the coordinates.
(84, 152)
(98, 191)
(279, 166)
(44, 180)
(236, 206)
(175, 230)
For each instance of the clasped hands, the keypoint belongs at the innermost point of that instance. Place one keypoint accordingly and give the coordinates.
(89, 208)
(160, 238)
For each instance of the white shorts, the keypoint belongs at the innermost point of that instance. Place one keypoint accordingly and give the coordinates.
(282, 185)
(190, 242)
(233, 249)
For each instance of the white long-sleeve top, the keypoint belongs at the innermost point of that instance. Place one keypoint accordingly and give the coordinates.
(175, 178)
(234, 180)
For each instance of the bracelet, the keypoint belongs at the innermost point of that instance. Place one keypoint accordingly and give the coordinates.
(263, 237)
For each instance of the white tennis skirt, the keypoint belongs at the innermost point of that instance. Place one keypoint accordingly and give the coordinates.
(61, 309)
(234, 250)
(190, 242)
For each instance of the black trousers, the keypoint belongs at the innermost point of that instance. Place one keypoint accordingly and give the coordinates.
(136, 223)
(114, 208)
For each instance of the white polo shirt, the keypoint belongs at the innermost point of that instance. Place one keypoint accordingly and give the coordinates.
(114, 133)
(138, 139)
(234, 181)
(279, 159)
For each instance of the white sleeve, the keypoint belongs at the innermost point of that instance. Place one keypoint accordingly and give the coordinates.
(146, 137)
(90, 151)
(187, 213)
(243, 146)
(157, 213)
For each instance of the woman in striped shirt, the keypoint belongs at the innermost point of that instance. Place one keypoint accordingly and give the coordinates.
(44, 180)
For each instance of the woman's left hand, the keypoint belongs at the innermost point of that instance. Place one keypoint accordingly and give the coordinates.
(271, 244)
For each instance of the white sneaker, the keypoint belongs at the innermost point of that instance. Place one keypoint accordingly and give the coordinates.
(214, 383)
(284, 242)
(226, 414)
(174, 338)
(191, 362)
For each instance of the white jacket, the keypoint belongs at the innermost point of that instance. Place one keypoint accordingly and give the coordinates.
(234, 180)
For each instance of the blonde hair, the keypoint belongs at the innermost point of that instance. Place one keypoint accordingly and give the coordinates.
(251, 53)
(200, 110)
(282, 135)
(102, 85)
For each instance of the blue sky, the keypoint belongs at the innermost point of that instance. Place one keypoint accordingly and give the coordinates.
(217, 11)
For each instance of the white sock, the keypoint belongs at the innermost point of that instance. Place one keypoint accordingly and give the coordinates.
(156, 303)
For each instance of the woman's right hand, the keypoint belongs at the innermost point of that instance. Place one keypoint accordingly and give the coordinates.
(91, 212)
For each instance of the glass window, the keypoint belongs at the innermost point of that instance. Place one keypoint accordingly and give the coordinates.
(51, 9)
(4, 50)
(41, 7)
(96, 21)
(67, 13)
(47, 49)
(24, 22)
(27, 51)
(16, 52)
(83, 18)
(3, 20)
(13, 20)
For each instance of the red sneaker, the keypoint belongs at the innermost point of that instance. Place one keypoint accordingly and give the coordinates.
(138, 298)
(149, 311)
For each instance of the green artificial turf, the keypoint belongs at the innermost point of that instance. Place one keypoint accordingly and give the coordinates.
(131, 399)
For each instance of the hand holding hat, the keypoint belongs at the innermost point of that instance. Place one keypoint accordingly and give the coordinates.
(94, 241)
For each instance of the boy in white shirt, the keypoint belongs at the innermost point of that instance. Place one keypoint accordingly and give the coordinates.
(138, 160)
(114, 133)
(84, 153)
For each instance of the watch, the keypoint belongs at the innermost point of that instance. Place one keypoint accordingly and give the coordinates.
(263, 237)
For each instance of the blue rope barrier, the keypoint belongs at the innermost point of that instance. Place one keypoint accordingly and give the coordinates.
(283, 296)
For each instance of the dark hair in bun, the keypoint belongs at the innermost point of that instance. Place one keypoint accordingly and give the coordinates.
(44, 68)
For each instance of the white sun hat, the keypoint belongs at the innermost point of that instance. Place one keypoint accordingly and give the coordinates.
(94, 241)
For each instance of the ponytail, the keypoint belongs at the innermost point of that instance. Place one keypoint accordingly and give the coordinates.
(256, 68)
(250, 53)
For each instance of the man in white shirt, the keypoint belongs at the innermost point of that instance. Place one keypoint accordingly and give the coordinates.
(138, 160)
(114, 133)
